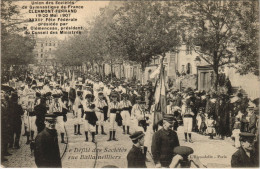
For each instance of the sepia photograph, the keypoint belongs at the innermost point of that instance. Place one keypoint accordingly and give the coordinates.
(130, 84)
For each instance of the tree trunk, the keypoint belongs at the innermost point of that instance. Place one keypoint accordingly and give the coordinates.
(111, 73)
(216, 79)
(103, 70)
(120, 71)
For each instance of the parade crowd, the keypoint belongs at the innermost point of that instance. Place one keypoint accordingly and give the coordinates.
(39, 99)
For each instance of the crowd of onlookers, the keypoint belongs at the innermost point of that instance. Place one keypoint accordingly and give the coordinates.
(217, 114)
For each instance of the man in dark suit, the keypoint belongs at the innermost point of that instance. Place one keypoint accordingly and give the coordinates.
(245, 156)
(40, 111)
(163, 142)
(15, 114)
(137, 155)
(47, 152)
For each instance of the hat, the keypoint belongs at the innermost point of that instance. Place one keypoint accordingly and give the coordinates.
(142, 102)
(56, 95)
(183, 150)
(124, 95)
(245, 136)
(100, 93)
(113, 94)
(89, 95)
(138, 98)
(169, 118)
(48, 94)
(38, 94)
(137, 135)
(50, 117)
(170, 100)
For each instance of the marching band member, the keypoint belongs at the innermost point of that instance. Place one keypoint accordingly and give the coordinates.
(56, 108)
(30, 109)
(139, 114)
(77, 108)
(187, 115)
(100, 105)
(113, 109)
(126, 107)
(90, 117)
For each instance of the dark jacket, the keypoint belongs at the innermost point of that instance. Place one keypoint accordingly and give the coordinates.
(15, 113)
(40, 111)
(240, 159)
(163, 143)
(47, 152)
(136, 158)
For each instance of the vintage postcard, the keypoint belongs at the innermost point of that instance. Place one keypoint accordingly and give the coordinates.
(130, 84)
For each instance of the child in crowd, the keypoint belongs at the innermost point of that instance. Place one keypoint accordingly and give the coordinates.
(235, 133)
(199, 120)
(203, 125)
(211, 127)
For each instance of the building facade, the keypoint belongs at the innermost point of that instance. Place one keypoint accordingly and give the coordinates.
(44, 51)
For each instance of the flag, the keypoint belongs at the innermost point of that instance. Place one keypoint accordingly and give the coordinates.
(73, 80)
(69, 74)
(160, 96)
(156, 72)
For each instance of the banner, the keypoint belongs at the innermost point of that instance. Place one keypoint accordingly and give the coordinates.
(160, 96)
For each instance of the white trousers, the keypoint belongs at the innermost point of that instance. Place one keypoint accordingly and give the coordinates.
(32, 125)
(89, 127)
(112, 122)
(126, 118)
(100, 117)
(25, 119)
(78, 119)
(60, 123)
(187, 124)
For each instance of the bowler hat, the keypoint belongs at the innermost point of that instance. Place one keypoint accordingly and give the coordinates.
(183, 150)
(137, 135)
(246, 136)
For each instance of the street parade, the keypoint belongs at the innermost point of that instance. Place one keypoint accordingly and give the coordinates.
(105, 108)
(130, 84)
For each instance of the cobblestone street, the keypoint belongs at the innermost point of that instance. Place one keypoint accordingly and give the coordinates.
(81, 154)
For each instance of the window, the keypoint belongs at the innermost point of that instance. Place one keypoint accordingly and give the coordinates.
(188, 50)
(182, 69)
(49, 49)
(49, 44)
(41, 50)
(46, 44)
(42, 45)
(188, 68)
(54, 44)
(41, 55)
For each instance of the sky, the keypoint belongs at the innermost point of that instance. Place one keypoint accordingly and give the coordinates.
(89, 11)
